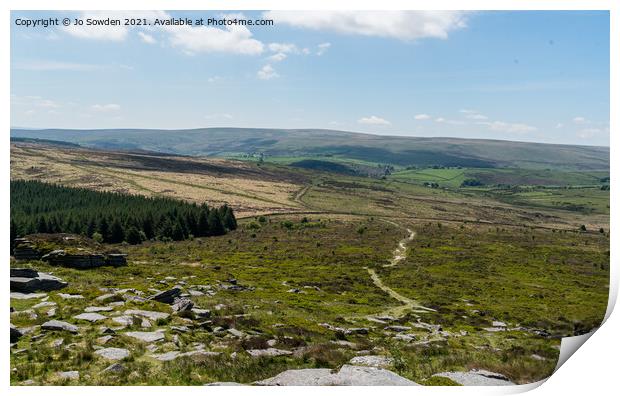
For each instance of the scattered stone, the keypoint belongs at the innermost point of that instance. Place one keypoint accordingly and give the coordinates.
(219, 307)
(166, 297)
(179, 329)
(182, 305)
(146, 336)
(113, 353)
(104, 339)
(26, 280)
(476, 378)
(114, 368)
(91, 317)
(344, 343)
(98, 309)
(130, 297)
(348, 375)
(405, 337)
(195, 293)
(146, 324)
(398, 329)
(537, 357)
(51, 312)
(116, 304)
(153, 315)
(59, 326)
(106, 330)
(372, 361)
(497, 323)
(224, 384)
(124, 320)
(235, 332)
(65, 296)
(15, 334)
(294, 291)
(57, 343)
(44, 304)
(271, 352)
(168, 356)
(27, 296)
(272, 342)
(69, 374)
(106, 297)
(201, 313)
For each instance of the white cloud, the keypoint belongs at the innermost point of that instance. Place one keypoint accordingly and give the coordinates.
(508, 127)
(579, 120)
(285, 48)
(402, 25)
(476, 117)
(191, 39)
(279, 57)
(109, 33)
(322, 48)
(267, 72)
(421, 117)
(373, 120)
(213, 79)
(235, 39)
(559, 125)
(105, 108)
(442, 120)
(147, 38)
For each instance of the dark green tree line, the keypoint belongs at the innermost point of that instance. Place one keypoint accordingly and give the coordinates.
(38, 207)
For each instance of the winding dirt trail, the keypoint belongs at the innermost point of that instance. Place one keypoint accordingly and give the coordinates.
(408, 303)
(400, 252)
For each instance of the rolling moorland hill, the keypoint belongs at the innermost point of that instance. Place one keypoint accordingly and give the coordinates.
(394, 150)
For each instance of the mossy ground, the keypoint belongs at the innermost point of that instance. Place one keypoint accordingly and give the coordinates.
(560, 281)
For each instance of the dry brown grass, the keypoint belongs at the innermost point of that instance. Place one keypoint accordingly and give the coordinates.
(246, 192)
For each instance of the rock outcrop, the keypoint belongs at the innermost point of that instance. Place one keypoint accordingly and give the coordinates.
(347, 375)
(26, 280)
(476, 378)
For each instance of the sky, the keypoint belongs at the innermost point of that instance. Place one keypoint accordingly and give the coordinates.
(539, 76)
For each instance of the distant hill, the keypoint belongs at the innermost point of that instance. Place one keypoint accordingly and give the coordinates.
(321, 143)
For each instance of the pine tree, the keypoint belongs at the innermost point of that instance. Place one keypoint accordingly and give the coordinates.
(215, 224)
(133, 236)
(117, 235)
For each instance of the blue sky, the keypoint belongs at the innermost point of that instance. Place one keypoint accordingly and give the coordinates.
(529, 76)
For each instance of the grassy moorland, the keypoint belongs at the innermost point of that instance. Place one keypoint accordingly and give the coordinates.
(325, 266)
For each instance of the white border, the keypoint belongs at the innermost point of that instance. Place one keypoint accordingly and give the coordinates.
(592, 370)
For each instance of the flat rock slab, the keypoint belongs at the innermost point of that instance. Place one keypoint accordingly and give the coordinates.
(44, 304)
(27, 296)
(272, 352)
(224, 384)
(66, 296)
(43, 281)
(348, 375)
(372, 361)
(168, 296)
(113, 353)
(124, 320)
(153, 315)
(476, 378)
(98, 309)
(168, 356)
(146, 336)
(69, 374)
(59, 326)
(90, 316)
